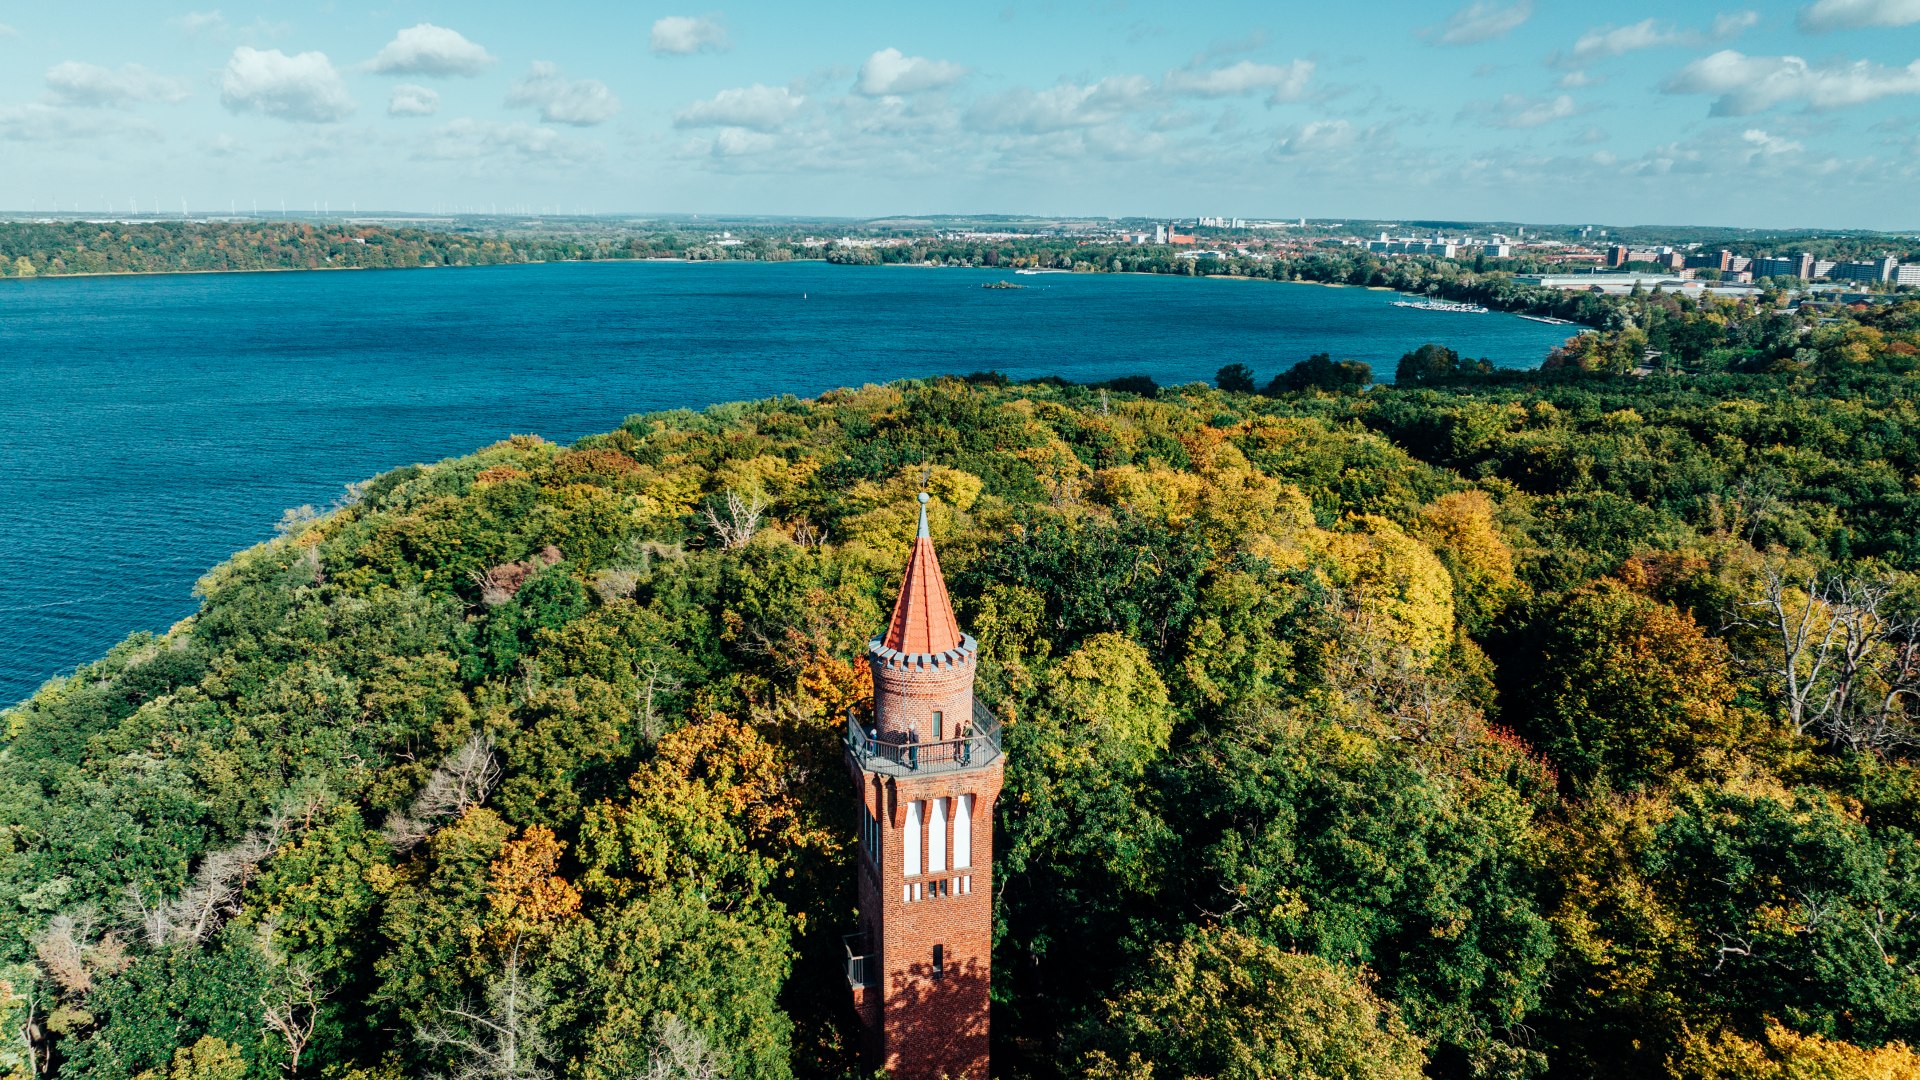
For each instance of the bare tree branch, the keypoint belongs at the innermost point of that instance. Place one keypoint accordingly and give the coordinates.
(212, 895)
(741, 523)
(463, 780)
(1845, 661)
(680, 1052)
(502, 1040)
(290, 1002)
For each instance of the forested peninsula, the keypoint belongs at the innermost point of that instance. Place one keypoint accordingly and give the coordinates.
(54, 249)
(1549, 727)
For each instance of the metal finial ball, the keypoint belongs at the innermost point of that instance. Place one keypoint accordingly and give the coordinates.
(924, 497)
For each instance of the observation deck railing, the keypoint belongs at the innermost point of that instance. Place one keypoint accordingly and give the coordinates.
(862, 970)
(976, 747)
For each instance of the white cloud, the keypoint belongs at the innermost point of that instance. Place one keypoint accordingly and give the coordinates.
(1750, 84)
(1767, 145)
(32, 123)
(756, 107)
(1286, 82)
(213, 26)
(1574, 80)
(8, 31)
(316, 146)
(411, 100)
(683, 35)
(1853, 14)
(736, 142)
(1605, 42)
(427, 49)
(480, 141)
(890, 71)
(1480, 21)
(1729, 152)
(1318, 136)
(76, 83)
(302, 87)
(1061, 107)
(197, 23)
(47, 123)
(579, 102)
(1520, 111)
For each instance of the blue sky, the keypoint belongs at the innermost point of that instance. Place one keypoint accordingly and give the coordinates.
(1766, 114)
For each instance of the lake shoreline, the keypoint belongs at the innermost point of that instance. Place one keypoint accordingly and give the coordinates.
(345, 269)
(673, 259)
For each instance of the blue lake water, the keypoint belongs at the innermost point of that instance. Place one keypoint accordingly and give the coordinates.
(154, 425)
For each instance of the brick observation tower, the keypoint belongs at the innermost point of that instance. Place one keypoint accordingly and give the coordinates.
(926, 767)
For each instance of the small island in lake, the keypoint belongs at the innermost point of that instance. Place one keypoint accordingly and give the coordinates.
(1001, 284)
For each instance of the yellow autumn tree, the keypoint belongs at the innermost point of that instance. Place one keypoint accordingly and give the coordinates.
(888, 510)
(1460, 528)
(717, 767)
(1395, 583)
(1108, 688)
(1631, 689)
(1787, 1055)
(527, 900)
(208, 1059)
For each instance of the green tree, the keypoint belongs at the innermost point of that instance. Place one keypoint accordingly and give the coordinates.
(1427, 364)
(1627, 691)
(182, 993)
(1234, 379)
(1109, 689)
(1719, 907)
(1321, 372)
(434, 955)
(1233, 1007)
(1319, 839)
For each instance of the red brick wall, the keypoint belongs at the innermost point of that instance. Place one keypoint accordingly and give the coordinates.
(930, 1027)
(904, 698)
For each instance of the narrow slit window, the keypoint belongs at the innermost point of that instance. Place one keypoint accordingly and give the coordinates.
(870, 834)
(963, 832)
(939, 961)
(939, 725)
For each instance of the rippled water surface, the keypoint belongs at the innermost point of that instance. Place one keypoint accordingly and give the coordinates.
(154, 425)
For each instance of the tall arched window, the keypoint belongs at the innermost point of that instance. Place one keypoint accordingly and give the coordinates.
(963, 832)
(910, 848)
(937, 836)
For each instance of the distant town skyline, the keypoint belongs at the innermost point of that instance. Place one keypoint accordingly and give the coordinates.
(1779, 114)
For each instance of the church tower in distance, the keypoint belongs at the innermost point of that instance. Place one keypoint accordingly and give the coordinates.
(926, 768)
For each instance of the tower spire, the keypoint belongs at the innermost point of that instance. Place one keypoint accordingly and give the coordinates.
(923, 622)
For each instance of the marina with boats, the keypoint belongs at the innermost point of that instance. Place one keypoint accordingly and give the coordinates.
(1449, 306)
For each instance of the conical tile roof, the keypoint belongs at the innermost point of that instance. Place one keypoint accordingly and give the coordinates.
(923, 622)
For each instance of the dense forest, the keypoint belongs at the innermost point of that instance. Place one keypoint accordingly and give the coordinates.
(30, 249)
(1555, 725)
